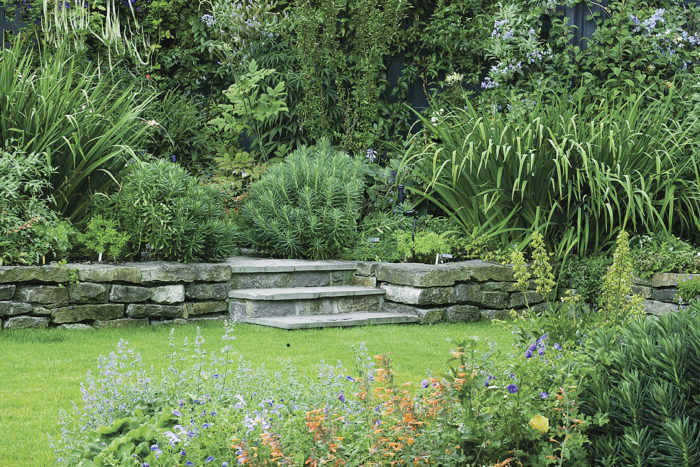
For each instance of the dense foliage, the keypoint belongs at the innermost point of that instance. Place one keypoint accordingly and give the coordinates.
(169, 215)
(29, 228)
(307, 206)
(644, 384)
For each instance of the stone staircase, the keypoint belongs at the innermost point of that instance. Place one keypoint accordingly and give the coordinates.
(296, 294)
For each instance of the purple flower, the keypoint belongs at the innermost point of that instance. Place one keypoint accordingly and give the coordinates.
(341, 397)
(544, 395)
(540, 350)
(208, 20)
(173, 158)
(189, 463)
(490, 377)
(371, 155)
(512, 388)
(209, 459)
(350, 378)
(528, 353)
(177, 413)
(557, 346)
(512, 376)
(425, 383)
(488, 83)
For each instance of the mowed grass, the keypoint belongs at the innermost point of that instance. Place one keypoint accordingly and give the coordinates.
(41, 370)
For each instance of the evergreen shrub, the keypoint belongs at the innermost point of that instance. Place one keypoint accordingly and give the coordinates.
(644, 381)
(170, 215)
(306, 207)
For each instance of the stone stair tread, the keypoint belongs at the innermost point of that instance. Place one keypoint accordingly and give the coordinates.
(336, 320)
(304, 293)
(247, 264)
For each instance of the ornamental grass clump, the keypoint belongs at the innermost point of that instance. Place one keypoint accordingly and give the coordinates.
(306, 207)
(576, 171)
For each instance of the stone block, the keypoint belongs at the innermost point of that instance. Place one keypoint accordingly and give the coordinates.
(76, 327)
(43, 294)
(26, 322)
(168, 294)
(497, 300)
(167, 272)
(237, 310)
(643, 290)
(364, 281)
(152, 311)
(208, 318)
(204, 308)
(212, 272)
(89, 312)
(367, 268)
(419, 296)
(654, 307)
(665, 295)
(483, 271)
(109, 273)
(342, 277)
(496, 314)
(468, 293)
(203, 291)
(368, 303)
(129, 294)
(7, 292)
(667, 279)
(14, 274)
(422, 275)
(426, 315)
(84, 292)
(120, 323)
(642, 282)
(463, 314)
(517, 299)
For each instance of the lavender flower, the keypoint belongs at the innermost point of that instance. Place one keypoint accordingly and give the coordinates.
(512, 388)
(425, 383)
(208, 20)
(544, 395)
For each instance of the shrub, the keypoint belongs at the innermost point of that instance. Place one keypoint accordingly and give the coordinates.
(644, 383)
(306, 207)
(585, 275)
(656, 253)
(170, 215)
(29, 229)
(101, 236)
(577, 172)
(689, 289)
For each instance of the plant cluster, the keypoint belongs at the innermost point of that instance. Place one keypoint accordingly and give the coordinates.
(306, 207)
(167, 215)
(29, 229)
(643, 385)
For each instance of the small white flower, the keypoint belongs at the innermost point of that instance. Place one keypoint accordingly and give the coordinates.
(434, 120)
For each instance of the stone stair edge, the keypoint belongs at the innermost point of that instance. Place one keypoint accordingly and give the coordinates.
(335, 320)
(304, 293)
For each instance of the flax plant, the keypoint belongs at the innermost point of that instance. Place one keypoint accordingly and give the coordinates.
(577, 172)
(86, 123)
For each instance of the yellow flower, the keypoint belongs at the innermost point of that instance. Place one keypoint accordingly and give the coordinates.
(540, 423)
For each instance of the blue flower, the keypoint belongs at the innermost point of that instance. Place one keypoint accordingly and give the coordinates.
(557, 346)
(341, 397)
(528, 353)
(425, 383)
(371, 155)
(350, 378)
(544, 395)
(173, 158)
(177, 413)
(208, 20)
(189, 463)
(512, 388)
(209, 459)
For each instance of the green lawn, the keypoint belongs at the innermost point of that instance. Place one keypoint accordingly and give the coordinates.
(41, 370)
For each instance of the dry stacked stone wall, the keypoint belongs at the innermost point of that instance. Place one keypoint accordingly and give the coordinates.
(474, 290)
(99, 296)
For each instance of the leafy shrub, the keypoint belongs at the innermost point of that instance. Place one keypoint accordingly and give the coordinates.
(170, 215)
(563, 166)
(101, 236)
(306, 207)
(644, 383)
(423, 247)
(655, 253)
(586, 275)
(689, 289)
(85, 123)
(29, 229)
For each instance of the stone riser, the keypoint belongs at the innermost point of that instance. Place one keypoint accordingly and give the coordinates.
(242, 309)
(255, 280)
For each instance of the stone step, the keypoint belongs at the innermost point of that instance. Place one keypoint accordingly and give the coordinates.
(298, 301)
(257, 273)
(338, 320)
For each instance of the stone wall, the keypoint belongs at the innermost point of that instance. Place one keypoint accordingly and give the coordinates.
(100, 296)
(453, 292)
(474, 290)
